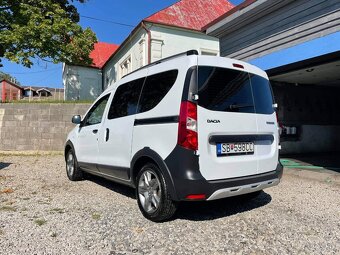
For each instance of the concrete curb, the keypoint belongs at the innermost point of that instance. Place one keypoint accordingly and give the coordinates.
(31, 153)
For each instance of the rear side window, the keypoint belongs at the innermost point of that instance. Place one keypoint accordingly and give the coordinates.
(125, 100)
(263, 95)
(228, 90)
(155, 88)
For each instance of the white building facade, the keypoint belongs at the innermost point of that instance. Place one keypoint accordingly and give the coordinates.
(140, 50)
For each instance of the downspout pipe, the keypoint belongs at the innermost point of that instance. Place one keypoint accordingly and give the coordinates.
(3, 96)
(149, 41)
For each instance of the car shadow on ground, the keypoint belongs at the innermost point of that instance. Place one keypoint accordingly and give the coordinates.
(116, 187)
(210, 210)
(4, 165)
(196, 211)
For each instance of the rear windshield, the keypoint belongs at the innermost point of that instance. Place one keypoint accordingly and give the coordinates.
(228, 90)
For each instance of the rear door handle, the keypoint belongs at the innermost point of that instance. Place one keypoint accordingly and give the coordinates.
(107, 135)
(95, 131)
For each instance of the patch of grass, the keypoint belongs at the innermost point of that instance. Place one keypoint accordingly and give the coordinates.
(8, 208)
(57, 210)
(40, 222)
(96, 216)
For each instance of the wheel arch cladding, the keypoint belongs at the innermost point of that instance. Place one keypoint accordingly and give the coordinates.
(146, 155)
(68, 146)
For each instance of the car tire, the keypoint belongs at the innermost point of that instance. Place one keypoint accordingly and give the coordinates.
(152, 194)
(72, 169)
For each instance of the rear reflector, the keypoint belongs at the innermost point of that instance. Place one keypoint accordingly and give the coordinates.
(187, 127)
(238, 66)
(196, 197)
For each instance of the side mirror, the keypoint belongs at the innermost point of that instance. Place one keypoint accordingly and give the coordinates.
(275, 106)
(76, 119)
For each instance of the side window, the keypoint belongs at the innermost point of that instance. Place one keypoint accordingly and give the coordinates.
(125, 100)
(96, 113)
(155, 88)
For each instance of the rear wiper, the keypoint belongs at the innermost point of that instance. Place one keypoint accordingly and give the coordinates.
(238, 106)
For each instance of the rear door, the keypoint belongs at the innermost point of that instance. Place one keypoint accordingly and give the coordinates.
(226, 118)
(267, 143)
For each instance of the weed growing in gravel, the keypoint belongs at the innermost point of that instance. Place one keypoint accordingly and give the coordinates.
(328, 180)
(96, 216)
(8, 208)
(40, 222)
(43, 202)
(54, 234)
(1, 232)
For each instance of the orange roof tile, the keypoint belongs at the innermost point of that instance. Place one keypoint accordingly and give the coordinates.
(101, 53)
(191, 14)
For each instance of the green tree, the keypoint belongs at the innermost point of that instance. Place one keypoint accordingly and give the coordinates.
(45, 29)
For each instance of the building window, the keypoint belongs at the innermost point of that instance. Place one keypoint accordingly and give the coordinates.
(125, 67)
(141, 52)
(28, 93)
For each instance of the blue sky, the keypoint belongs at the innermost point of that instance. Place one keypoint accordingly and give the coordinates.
(128, 12)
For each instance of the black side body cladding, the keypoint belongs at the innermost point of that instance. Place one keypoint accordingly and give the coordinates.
(157, 120)
(147, 153)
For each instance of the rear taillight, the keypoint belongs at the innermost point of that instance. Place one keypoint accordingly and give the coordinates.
(187, 128)
(196, 197)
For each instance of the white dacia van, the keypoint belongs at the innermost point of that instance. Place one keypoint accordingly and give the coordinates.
(185, 128)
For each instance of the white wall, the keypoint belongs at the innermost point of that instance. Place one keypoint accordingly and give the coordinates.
(174, 41)
(131, 49)
(165, 42)
(81, 83)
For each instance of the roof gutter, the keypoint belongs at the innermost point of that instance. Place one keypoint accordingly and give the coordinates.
(149, 41)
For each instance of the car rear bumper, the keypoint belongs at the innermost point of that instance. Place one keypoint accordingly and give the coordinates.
(228, 187)
(243, 189)
(187, 179)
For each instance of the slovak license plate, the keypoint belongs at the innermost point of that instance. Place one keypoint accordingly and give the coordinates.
(234, 148)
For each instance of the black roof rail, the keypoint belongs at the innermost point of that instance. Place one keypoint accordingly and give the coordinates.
(186, 53)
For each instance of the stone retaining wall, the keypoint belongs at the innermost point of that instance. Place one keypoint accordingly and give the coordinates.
(42, 127)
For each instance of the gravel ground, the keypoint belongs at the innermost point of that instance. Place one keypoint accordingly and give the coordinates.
(41, 212)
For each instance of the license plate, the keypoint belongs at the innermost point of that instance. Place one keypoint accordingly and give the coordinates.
(234, 148)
